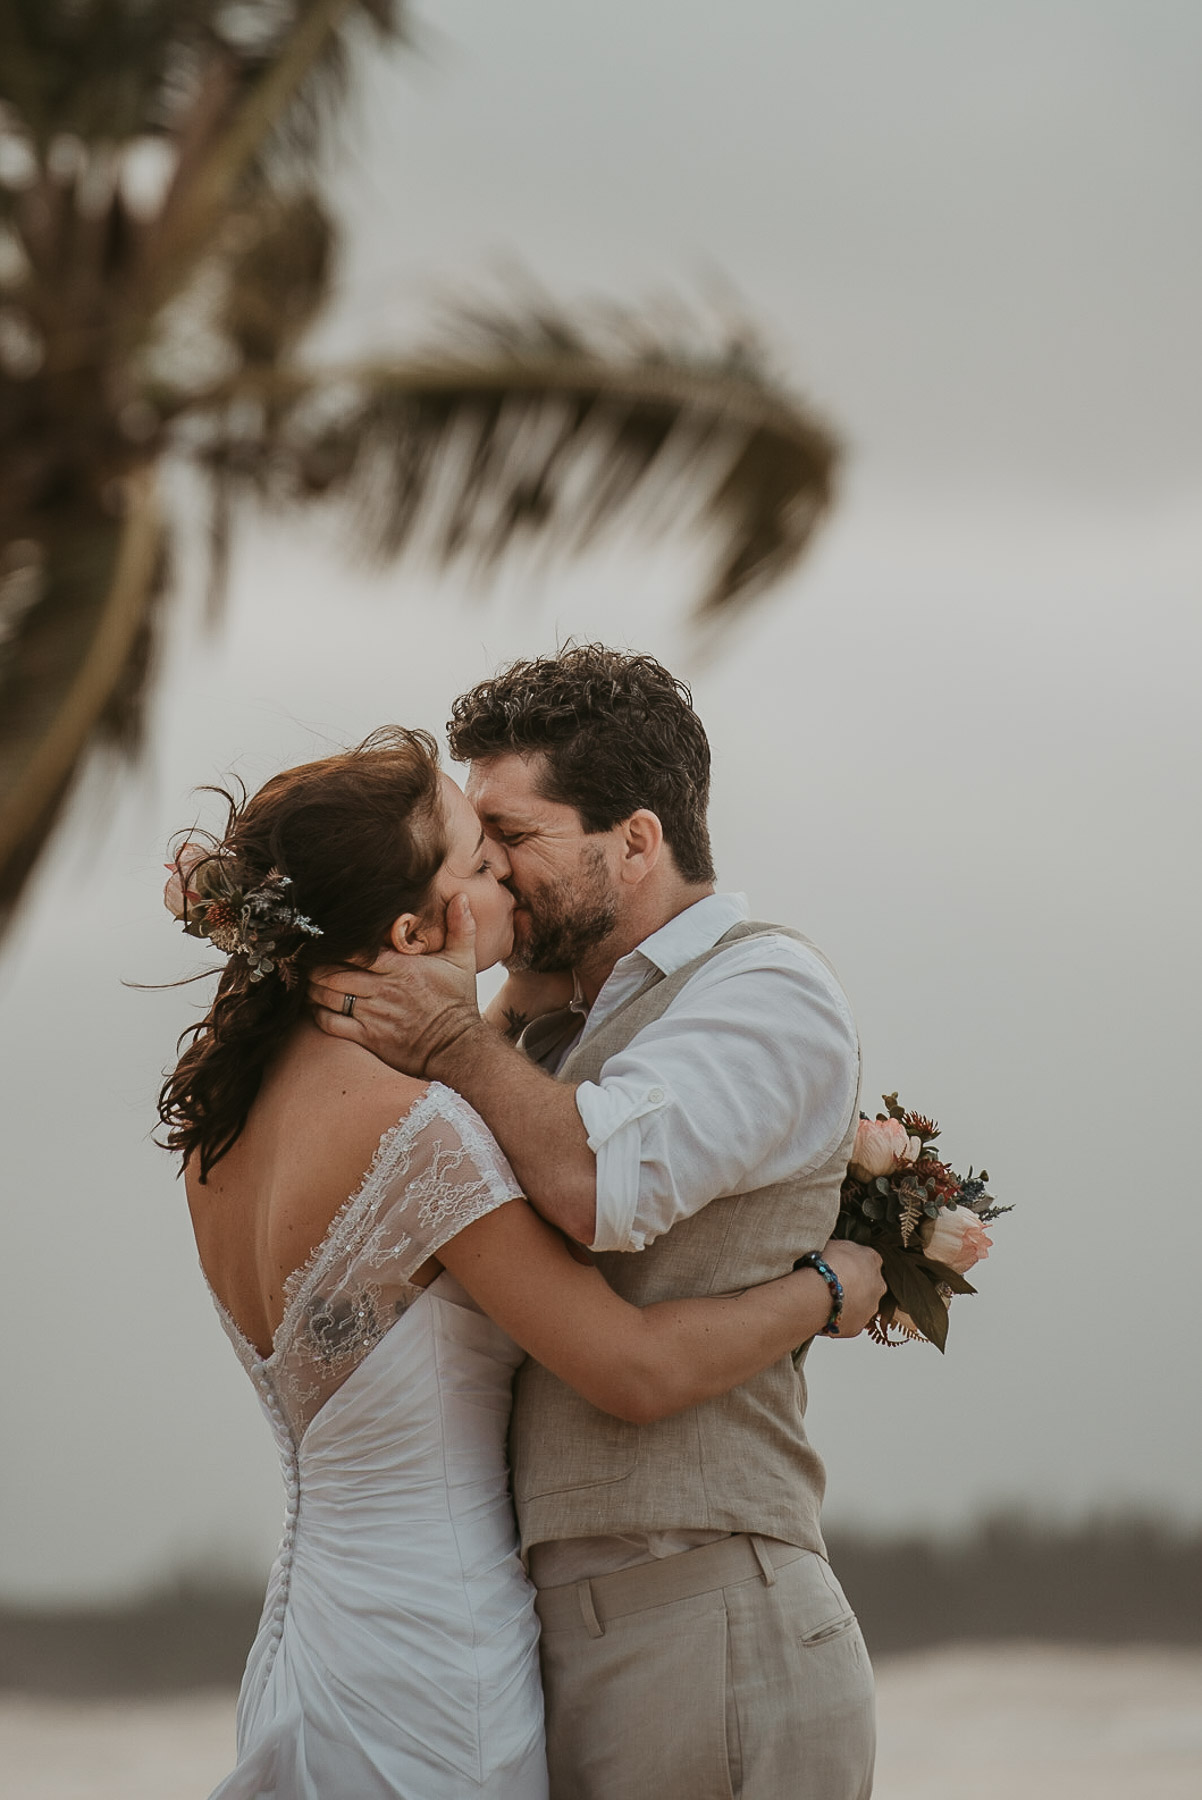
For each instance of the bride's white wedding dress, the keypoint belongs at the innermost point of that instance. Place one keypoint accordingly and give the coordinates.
(397, 1653)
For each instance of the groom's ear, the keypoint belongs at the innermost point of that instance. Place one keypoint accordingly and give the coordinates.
(642, 842)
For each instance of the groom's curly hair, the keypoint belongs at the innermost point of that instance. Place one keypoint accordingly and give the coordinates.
(617, 733)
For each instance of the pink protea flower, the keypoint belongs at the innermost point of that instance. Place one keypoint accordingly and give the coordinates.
(178, 894)
(956, 1238)
(881, 1146)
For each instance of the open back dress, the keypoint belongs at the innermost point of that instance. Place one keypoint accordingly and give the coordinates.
(397, 1654)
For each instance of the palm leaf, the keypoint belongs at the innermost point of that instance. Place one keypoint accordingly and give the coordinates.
(530, 424)
(110, 70)
(263, 119)
(548, 433)
(239, 94)
(77, 622)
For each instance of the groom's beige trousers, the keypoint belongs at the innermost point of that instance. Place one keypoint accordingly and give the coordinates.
(732, 1672)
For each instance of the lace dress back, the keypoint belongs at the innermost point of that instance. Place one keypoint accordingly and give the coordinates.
(434, 1173)
(397, 1653)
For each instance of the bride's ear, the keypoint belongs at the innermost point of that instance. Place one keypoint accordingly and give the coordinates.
(410, 936)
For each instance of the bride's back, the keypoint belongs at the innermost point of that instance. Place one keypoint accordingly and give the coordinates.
(276, 1122)
(307, 1142)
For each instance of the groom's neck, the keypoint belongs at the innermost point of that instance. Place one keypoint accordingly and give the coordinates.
(644, 913)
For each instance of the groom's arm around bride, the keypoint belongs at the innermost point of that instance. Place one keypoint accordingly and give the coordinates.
(691, 1122)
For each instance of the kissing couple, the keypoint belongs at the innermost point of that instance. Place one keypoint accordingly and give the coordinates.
(586, 1235)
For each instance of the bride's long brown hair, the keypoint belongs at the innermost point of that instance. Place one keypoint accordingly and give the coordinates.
(360, 835)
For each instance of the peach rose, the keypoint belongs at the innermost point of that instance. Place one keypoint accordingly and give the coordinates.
(957, 1239)
(881, 1144)
(177, 895)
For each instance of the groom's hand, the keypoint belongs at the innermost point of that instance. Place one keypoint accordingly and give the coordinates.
(859, 1269)
(419, 1014)
(407, 1010)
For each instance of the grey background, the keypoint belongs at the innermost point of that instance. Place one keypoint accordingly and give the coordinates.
(960, 749)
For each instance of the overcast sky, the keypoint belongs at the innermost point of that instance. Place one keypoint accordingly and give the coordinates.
(960, 749)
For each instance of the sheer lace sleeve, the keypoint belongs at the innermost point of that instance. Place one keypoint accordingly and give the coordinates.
(435, 1172)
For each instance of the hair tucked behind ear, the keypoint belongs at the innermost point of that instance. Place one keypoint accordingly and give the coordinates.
(360, 837)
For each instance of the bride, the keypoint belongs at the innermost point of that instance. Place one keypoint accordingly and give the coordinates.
(397, 1650)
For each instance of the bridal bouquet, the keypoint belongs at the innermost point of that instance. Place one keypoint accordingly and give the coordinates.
(926, 1222)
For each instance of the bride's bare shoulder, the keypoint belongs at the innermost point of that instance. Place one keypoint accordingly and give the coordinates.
(307, 1144)
(340, 1088)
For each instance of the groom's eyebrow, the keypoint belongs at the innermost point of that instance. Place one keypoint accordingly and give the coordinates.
(509, 824)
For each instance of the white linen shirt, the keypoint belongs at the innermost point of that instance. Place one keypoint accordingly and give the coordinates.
(749, 1077)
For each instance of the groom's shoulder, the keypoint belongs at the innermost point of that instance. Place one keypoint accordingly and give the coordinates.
(761, 939)
(778, 954)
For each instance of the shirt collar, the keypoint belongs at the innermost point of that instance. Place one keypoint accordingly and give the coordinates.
(691, 933)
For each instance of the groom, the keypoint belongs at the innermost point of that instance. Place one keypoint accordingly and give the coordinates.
(689, 1117)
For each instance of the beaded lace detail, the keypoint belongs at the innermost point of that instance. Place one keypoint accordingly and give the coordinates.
(434, 1172)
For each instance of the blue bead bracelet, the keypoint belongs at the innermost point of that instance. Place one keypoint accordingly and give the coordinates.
(812, 1260)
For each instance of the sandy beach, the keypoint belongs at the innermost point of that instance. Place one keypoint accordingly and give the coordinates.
(978, 1723)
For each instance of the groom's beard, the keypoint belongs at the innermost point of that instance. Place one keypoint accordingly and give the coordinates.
(566, 919)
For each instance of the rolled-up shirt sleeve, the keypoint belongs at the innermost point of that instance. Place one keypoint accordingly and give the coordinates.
(751, 1075)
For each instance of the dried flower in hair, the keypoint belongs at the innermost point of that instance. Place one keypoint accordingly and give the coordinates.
(208, 893)
(179, 892)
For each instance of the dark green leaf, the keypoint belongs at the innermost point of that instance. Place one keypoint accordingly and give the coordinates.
(915, 1293)
(949, 1277)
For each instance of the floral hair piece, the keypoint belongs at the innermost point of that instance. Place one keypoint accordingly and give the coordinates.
(204, 893)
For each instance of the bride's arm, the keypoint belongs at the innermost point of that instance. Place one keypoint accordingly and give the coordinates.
(644, 1363)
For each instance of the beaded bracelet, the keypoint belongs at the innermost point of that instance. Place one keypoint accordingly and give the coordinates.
(812, 1260)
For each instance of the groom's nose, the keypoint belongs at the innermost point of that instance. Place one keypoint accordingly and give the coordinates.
(499, 857)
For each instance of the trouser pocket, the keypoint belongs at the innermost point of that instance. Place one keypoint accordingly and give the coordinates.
(801, 1688)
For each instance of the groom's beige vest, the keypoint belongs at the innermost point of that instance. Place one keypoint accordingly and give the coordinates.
(741, 1462)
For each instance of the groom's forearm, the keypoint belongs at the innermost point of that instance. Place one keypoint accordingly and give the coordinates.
(532, 1117)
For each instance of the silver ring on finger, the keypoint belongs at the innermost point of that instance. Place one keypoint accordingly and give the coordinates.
(348, 1006)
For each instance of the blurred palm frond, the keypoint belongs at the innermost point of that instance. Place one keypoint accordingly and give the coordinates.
(165, 247)
(520, 428)
(158, 210)
(78, 619)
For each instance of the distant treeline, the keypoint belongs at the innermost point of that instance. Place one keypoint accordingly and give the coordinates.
(1120, 1582)
(1112, 1582)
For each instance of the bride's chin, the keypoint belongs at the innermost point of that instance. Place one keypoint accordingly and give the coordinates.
(498, 953)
